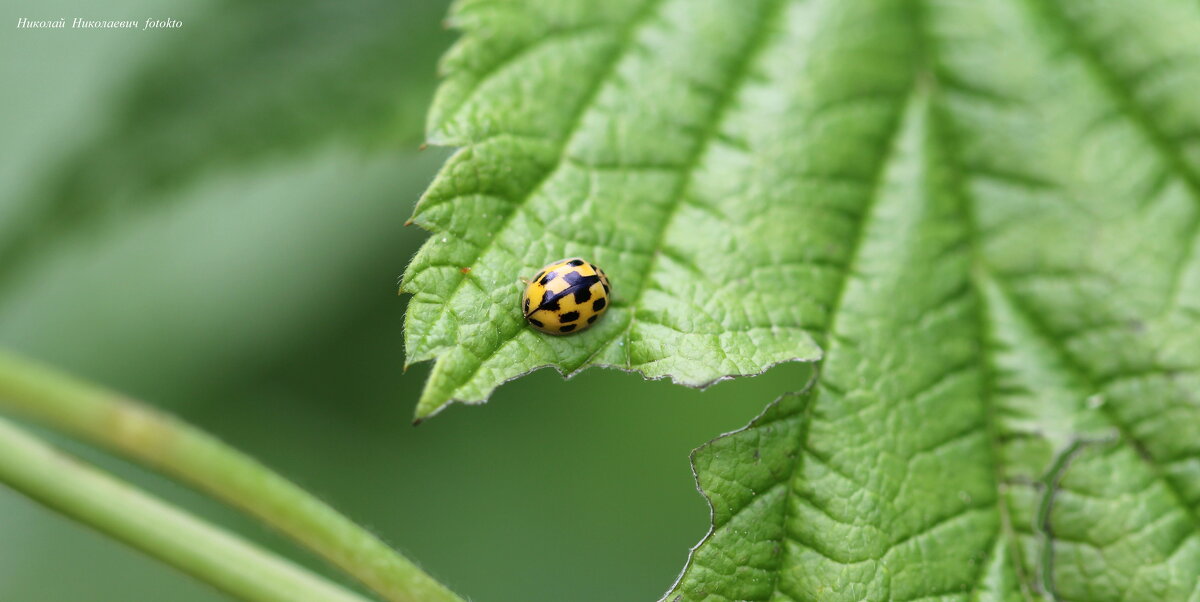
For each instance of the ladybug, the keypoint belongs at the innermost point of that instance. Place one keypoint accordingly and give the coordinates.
(567, 296)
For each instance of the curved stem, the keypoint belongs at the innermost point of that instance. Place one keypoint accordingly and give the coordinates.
(111, 506)
(175, 448)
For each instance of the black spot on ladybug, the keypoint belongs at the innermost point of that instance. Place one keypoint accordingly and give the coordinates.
(605, 288)
(549, 301)
(592, 319)
(526, 304)
(566, 328)
(580, 285)
(548, 278)
(570, 316)
(536, 323)
(575, 262)
(599, 304)
(539, 276)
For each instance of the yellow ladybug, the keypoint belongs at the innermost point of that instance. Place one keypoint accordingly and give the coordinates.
(566, 296)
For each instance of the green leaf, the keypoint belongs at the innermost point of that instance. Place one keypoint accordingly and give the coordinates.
(697, 238)
(986, 214)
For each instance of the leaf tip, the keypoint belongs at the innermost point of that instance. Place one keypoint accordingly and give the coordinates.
(426, 410)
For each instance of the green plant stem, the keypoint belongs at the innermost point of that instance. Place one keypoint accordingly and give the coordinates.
(109, 505)
(171, 446)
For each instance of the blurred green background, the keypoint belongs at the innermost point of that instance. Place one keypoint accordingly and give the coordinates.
(210, 218)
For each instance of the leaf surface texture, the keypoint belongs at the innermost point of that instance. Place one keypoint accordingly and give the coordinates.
(980, 216)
